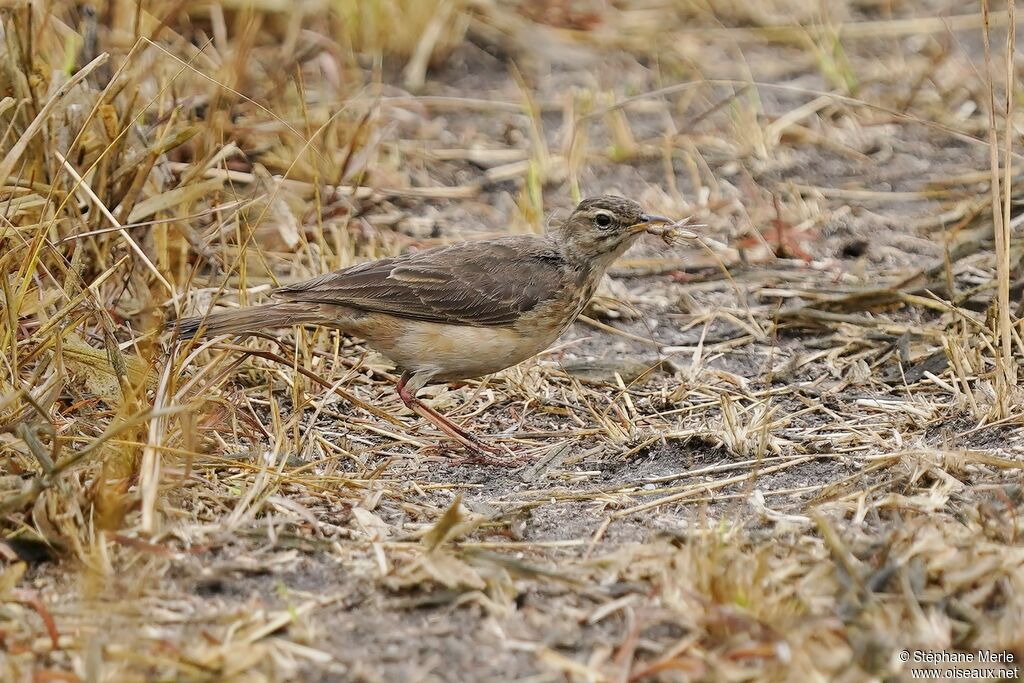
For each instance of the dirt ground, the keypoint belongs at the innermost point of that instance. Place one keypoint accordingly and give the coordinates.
(776, 456)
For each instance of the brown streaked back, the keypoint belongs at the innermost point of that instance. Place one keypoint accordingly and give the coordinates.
(483, 284)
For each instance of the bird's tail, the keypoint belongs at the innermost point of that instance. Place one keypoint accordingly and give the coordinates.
(246, 320)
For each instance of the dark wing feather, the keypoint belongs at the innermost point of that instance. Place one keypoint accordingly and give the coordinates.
(483, 284)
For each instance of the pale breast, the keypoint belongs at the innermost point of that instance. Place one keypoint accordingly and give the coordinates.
(455, 351)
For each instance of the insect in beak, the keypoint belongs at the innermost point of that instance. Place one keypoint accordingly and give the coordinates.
(665, 228)
(648, 221)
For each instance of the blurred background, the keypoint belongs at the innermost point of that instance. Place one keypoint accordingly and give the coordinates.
(782, 453)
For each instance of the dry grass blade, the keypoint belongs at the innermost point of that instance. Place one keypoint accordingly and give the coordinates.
(18, 148)
(787, 450)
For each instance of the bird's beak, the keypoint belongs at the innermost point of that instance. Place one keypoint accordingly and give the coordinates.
(647, 221)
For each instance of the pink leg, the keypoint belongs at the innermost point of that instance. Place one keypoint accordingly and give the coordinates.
(457, 433)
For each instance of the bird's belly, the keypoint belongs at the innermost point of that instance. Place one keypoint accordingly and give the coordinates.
(453, 352)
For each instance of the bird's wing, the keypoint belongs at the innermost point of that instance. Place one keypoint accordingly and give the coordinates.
(483, 284)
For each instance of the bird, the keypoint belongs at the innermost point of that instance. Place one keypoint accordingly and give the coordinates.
(457, 311)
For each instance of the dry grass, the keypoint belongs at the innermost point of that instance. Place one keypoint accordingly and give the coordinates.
(787, 454)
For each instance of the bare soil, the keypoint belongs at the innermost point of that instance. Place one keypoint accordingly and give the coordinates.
(824, 499)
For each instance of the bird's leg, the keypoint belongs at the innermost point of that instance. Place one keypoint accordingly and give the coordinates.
(408, 385)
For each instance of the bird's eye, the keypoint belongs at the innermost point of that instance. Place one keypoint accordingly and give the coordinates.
(602, 220)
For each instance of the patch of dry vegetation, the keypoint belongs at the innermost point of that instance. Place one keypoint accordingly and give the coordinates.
(786, 454)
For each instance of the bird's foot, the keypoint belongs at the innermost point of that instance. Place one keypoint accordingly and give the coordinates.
(461, 454)
(494, 456)
(482, 453)
(456, 433)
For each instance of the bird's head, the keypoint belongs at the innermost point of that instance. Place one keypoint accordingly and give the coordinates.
(601, 228)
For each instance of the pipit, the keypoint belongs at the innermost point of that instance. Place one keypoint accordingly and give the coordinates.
(459, 311)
